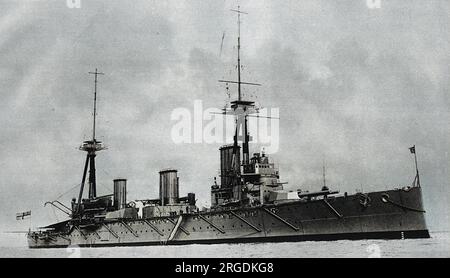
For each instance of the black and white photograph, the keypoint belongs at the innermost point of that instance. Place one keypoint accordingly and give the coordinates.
(224, 129)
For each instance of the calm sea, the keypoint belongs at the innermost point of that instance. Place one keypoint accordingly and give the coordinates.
(14, 245)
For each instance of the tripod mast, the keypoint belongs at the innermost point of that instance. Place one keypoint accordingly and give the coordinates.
(91, 147)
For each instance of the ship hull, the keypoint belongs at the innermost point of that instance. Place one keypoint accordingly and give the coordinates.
(394, 214)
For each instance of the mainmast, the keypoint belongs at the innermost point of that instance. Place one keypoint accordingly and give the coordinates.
(91, 147)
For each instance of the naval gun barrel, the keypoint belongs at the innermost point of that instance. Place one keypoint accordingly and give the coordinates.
(316, 194)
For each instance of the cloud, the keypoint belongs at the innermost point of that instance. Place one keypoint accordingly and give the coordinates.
(355, 87)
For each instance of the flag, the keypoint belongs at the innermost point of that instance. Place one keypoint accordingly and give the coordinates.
(413, 149)
(22, 215)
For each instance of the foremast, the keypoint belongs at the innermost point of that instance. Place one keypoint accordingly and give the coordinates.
(91, 147)
(240, 108)
(241, 171)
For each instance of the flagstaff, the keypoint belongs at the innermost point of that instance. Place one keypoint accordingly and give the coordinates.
(417, 178)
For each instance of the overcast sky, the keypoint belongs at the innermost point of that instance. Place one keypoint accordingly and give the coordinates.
(355, 86)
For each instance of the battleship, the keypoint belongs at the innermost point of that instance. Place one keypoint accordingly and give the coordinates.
(249, 204)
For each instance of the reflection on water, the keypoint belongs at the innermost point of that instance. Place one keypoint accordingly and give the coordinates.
(14, 245)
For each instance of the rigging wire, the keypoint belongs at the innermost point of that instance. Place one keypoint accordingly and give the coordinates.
(68, 191)
(109, 176)
(78, 185)
(54, 214)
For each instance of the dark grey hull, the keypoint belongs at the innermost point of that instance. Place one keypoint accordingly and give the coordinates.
(394, 214)
(325, 237)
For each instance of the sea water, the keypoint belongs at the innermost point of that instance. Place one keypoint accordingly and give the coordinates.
(15, 245)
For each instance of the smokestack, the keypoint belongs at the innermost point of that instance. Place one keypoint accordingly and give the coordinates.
(168, 187)
(226, 165)
(120, 193)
